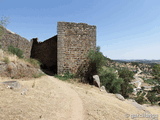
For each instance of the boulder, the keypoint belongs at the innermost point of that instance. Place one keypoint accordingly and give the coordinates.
(96, 80)
(12, 84)
(102, 88)
(120, 97)
(12, 69)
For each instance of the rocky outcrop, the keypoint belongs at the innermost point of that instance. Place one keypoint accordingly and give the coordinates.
(18, 70)
(12, 84)
(120, 97)
(12, 66)
(102, 88)
(96, 80)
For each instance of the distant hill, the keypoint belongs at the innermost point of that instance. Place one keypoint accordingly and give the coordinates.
(140, 61)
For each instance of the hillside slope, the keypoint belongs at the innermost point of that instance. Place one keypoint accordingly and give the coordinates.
(14, 67)
(8, 38)
(48, 98)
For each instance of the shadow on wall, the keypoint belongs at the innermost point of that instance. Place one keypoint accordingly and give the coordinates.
(46, 53)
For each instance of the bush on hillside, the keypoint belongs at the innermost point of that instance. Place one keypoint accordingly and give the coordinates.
(127, 76)
(156, 72)
(152, 97)
(95, 62)
(4, 21)
(110, 80)
(135, 64)
(151, 81)
(16, 51)
(140, 99)
(156, 69)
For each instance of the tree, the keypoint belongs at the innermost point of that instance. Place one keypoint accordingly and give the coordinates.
(152, 97)
(135, 64)
(96, 61)
(111, 81)
(156, 72)
(4, 21)
(140, 99)
(127, 76)
(15, 51)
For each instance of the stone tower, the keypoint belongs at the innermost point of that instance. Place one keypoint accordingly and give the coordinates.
(74, 40)
(67, 51)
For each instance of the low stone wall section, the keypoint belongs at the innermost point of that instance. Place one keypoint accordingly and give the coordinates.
(8, 38)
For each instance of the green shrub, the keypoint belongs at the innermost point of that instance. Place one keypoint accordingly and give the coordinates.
(127, 76)
(66, 76)
(135, 64)
(156, 72)
(138, 93)
(0, 46)
(6, 60)
(152, 97)
(110, 80)
(140, 99)
(157, 89)
(4, 21)
(150, 81)
(95, 62)
(16, 51)
(156, 69)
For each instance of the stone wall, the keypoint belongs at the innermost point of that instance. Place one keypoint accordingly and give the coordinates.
(65, 52)
(8, 38)
(74, 42)
(46, 53)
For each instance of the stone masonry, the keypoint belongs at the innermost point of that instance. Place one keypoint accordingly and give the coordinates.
(65, 52)
(74, 42)
(46, 53)
(8, 38)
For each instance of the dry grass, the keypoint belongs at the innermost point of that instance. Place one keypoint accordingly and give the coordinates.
(12, 58)
(16, 67)
(48, 98)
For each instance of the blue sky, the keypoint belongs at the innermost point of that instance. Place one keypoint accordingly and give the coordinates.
(126, 29)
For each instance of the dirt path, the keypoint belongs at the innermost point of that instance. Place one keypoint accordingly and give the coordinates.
(137, 81)
(72, 98)
(47, 98)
